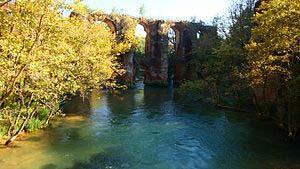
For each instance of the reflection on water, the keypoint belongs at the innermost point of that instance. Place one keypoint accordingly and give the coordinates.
(147, 129)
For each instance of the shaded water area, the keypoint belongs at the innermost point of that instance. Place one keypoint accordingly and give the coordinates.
(151, 129)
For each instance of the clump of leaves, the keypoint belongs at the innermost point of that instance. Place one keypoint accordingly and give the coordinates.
(196, 89)
(34, 124)
(3, 130)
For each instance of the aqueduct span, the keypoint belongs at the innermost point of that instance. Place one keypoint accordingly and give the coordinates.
(156, 47)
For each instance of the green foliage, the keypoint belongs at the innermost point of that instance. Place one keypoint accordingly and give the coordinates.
(198, 89)
(43, 114)
(126, 39)
(34, 124)
(222, 60)
(274, 53)
(274, 47)
(140, 55)
(140, 48)
(231, 53)
(44, 56)
(3, 130)
(260, 52)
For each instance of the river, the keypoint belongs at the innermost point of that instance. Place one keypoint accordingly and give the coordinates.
(151, 129)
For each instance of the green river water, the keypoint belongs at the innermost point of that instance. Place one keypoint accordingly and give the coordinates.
(151, 129)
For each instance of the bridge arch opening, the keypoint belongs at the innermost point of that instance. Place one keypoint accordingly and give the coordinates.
(141, 35)
(171, 40)
(199, 34)
(173, 36)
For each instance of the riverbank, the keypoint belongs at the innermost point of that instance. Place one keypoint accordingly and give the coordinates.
(71, 118)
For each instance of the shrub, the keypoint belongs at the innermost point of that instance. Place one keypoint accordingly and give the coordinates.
(198, 89)
(34, 124)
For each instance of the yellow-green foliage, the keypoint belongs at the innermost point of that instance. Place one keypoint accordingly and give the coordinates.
(275, 40)
(126, 39)
(274, 59)
(44, 56)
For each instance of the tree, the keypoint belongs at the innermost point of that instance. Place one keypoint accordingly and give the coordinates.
(221, 61)
(142, 10)
(45, 56)
(274, 53)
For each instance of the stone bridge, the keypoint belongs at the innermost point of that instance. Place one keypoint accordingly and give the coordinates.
(156, 47)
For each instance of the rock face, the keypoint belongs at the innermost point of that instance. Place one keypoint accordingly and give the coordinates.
(156, 49)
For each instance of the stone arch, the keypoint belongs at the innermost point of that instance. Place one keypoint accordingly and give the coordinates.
(145, 24)
(178, 27)
(107, 26)
(177, 37)
(99, 17)
(111, 25)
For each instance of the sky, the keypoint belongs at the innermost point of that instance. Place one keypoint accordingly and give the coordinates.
(203, 10)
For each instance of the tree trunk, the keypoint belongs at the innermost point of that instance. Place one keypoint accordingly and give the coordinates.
(14, 137)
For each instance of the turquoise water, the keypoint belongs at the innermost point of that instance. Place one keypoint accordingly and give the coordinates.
(151, 129)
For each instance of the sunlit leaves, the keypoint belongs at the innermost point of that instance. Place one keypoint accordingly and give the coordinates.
(275, 41)
(44, 56)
